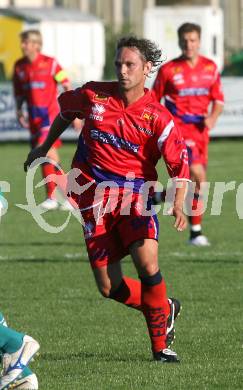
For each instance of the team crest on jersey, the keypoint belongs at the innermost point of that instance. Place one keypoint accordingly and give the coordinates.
(209, 67)
(101, 98)
(177, 69)
(42, 64)
(149, 116)
(97, 111)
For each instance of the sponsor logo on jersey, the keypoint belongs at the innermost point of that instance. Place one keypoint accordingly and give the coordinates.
(149, 116)
(97, 111)
(143, 129)
(194, 92)
(35, 85)
(112, 139)
(178, 78)
(101, 98)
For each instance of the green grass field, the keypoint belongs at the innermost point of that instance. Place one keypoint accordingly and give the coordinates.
(87, 342)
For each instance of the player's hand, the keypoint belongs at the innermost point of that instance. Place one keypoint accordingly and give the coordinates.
(180, 218)
(23, 121)
(209, 122)
(33, 155)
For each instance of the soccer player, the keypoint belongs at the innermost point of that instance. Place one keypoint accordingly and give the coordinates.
(125, 133)
(17, 351)
(190, 84)
(35, 81)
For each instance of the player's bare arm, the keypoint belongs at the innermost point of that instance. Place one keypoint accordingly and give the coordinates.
(211, 119)
(58, 126)
(177, 210)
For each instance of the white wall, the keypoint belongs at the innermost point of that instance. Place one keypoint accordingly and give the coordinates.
(79, 47)
(161, 24)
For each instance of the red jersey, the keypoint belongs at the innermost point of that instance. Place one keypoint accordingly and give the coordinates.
(116, 140)
(188, 91)
(36, 82)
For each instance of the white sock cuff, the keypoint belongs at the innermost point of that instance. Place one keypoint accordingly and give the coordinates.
(196, 228)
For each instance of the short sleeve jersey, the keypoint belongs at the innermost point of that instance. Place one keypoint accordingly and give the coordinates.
(188, 91)
(36, 82)
(120, 139)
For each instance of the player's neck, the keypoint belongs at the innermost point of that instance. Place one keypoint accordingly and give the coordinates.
(32, 57)
(131, 96)
(192, 62)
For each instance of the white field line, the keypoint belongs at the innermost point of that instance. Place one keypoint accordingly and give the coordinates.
(80, 254)
(32, 257)
(216, 254)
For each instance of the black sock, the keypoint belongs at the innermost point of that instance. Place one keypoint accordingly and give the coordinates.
(195, 234)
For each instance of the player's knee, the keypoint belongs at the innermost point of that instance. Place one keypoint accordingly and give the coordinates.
(148, 269)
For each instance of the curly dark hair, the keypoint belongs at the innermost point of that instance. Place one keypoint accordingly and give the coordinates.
(148, 49)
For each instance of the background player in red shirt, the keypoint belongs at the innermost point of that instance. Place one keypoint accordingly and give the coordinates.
(189, 84)
(125, 133)
(35, 80)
